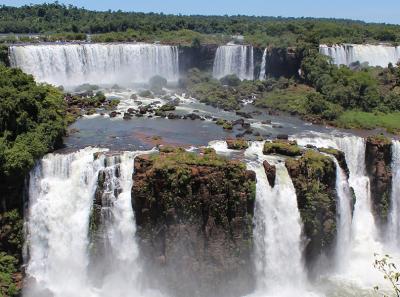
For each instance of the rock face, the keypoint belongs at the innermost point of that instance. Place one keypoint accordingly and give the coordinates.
(283, 62)
(314, 178)
(378, 158)
(340, 157)
(270, 171)
(201, 57)
(194, 216)
(282, 147)
(237, 144)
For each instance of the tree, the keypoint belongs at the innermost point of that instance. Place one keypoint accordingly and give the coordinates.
(390, 273)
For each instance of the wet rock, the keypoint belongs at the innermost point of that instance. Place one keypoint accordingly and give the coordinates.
(113, 114)
(246, 125)
(127, 116)
(197, 220)
(282, 136)
(339, 155)
(378, 159)
(238, 122)
(131, 110)
(193, 116)
(276, 126)
(133, 96)
(270, 171)
(173, 116)
(244, 114)
(237, 144)
(266, 122)
(143, 109)
(314, 179)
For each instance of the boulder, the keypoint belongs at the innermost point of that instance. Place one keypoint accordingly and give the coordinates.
(270, 171)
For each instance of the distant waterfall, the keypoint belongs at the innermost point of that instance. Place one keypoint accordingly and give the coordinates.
(277, 234)
(234, 59)
(394, 217)
(374, 55)
(62, 189)
(75, 64)
(263, 65)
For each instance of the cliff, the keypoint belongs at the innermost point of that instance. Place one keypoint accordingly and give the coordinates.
(314, 178)
(378, 159)
(194, 215)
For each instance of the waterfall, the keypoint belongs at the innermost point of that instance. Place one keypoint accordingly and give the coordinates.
(61, 192)
(357, 267)
(344, 215)
(374, 55)
(263, 65)
(75, 64)
(277, 233)
(234, 59)
(394, 217)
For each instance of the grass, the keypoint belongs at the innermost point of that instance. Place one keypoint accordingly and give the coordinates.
(365, 120)
(281, 147)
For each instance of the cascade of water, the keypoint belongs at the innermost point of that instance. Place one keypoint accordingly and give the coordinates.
(365, 240)
(344, 216)
(234, 59)
(75, 64)
(394, 218)
(61, 192)
(263, 65)
(277, 234)
(375, 55)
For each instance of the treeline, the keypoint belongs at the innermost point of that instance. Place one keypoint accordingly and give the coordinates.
(57, 18)
(32, 122)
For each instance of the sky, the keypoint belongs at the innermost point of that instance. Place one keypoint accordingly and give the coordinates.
(382, 11)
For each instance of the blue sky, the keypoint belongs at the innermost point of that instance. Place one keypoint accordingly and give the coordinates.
(368, 10)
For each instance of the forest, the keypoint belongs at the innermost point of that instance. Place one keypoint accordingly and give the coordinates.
(71, 22)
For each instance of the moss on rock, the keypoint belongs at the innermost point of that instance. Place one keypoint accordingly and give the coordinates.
(340, 157)
(282, 147)
(195, 212)
(237, 144)
(314, 178)
(378, 159)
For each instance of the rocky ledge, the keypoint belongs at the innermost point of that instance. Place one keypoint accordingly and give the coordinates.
(314, 178)
(194, 214)
(378, 158)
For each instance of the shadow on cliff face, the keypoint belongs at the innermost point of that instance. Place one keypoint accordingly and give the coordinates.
(195, 225)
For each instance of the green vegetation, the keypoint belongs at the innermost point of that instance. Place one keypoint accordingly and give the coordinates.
(314, 177)
(366, 120)
(11, 241)
(31, 122)
(282, 147)
(171, 157)
(8, 268)
(70, 22)
(388, 268)
(237, 144)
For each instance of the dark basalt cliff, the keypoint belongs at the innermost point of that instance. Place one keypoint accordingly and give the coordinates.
(282, 62)
(201, 57)
(378, 159)
(194, 215)
(314, 178)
